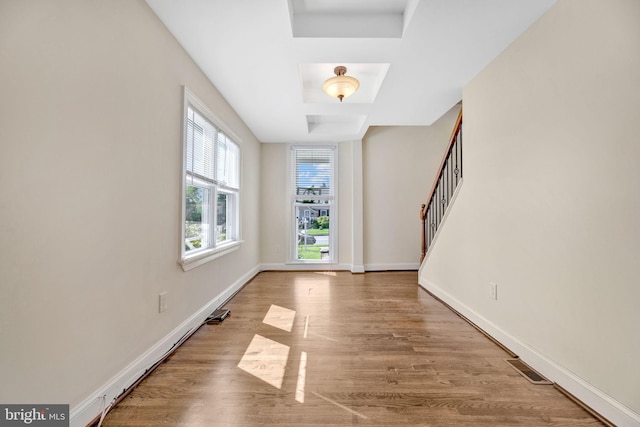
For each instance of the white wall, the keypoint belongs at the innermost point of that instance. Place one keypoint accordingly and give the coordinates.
(90, 172)
(400, 164)
(549, 206)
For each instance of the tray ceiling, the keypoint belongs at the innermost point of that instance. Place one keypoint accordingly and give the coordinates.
(269, 59)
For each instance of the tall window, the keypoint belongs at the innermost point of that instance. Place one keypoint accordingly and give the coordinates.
(313, 186)
(211, 186)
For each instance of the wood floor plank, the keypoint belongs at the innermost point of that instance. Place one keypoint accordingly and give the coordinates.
(336, 349)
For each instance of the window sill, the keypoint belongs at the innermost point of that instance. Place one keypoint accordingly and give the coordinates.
(208, 255)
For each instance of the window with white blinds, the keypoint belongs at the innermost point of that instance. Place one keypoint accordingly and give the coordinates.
(313, 190)
(211, 185)
(210, 155)
(313, 173)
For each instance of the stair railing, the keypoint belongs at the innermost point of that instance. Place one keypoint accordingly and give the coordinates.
(444, 187)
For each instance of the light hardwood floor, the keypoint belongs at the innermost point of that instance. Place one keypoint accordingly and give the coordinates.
(336, 349)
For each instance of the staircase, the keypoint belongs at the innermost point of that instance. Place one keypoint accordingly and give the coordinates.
(444, 187)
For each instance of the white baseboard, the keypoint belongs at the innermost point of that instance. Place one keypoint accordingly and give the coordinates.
(357, 268)
(305, 267)
(338, 267)
(92, 406)
(392, 267)
(593, 397)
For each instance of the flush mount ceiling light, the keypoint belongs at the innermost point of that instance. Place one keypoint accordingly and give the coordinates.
(340, 86)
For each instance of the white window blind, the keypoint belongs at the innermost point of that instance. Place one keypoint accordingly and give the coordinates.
(206, 143)
(227, 162)
(199, 146)
(313, 173)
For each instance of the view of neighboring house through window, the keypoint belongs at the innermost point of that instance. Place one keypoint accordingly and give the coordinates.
(211, 184)
(313, 188)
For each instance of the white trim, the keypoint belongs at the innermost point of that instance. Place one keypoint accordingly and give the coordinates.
(354, 268)
(306, 266)
(357, 208)
(91, 407)
(190, 98)
(292, 226)
(593, 397)
(392, 267)
(190, 261)
(209, 255)
(334, 223)
(357, 268)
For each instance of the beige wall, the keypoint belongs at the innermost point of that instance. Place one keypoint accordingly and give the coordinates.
(275, 206)
(90, 164)
(345, 182)
(550, 205)
(400, 165)
(274, 203)
(90, 172)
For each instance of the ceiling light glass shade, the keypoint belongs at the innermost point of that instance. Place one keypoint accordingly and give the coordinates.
(340, 86)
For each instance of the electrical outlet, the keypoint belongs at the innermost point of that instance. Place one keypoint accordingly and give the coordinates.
(493, 291)
(162, 302)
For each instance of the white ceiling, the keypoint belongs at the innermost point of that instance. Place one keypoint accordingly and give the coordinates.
(269, 58)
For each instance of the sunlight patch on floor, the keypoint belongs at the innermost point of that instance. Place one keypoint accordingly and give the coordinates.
(265, 359)
(302, 375)
(280, 317)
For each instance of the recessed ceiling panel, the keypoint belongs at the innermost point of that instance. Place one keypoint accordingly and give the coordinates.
(331, 124)
(346, 19)
(272, 76)
(370, 76)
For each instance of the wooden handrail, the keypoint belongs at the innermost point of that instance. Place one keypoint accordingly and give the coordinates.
(444, 193)
(452, 140)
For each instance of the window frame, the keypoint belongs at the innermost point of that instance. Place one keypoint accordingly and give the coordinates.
(188, 258)
(207, 201)
(231, 216)
(317, 202)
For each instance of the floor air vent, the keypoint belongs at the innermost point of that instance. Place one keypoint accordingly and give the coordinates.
(524, 370)
(218, 316)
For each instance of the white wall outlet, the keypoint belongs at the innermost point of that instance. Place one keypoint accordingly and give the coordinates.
(493, 291)
(162, 302)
